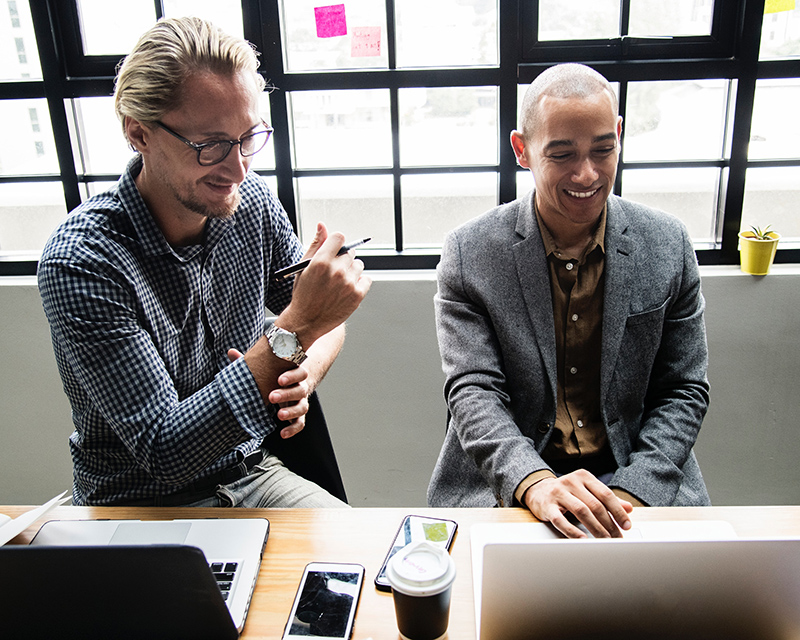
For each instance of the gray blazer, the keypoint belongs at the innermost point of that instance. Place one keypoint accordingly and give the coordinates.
(494, 319)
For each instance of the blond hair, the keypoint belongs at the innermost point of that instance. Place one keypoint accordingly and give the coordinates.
(151, 78)
(561, 81)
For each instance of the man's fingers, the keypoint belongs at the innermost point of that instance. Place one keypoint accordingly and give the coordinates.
(293, 410)
(293, 429)
(560, 522)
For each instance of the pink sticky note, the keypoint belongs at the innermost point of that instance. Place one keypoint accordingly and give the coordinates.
(330, 21)
(365, 41)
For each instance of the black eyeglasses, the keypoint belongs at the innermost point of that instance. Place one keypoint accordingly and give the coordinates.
(216, 151)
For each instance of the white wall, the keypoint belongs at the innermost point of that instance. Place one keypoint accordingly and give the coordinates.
(383, 398)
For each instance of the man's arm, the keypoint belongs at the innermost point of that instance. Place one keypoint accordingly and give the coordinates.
(324, 296)
(295, 385)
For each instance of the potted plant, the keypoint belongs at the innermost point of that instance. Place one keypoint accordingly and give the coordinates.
(757, 249)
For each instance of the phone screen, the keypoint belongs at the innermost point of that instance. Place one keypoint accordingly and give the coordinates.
(326, 601)
(416, 529)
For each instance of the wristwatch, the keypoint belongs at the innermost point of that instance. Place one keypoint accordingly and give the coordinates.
(285, 345)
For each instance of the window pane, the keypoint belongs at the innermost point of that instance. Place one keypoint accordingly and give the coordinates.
(690, 194)
(673, 18)
(26, 140)
(435, 203)
(90, 189)
(107, 29)
(28, 214)
(226, 14)
(337, 129)
(775, 129)
(446, 33)
(682, 120)
(578, 19)
(265, 159)
(99, 143)
(451, 125)
(350, 35)
(357, 206)
(770, 198)
(19, 56)
(524, 182)
(780, 35)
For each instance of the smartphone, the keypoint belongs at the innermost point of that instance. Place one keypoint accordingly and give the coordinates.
(416, 529)
(326, 601)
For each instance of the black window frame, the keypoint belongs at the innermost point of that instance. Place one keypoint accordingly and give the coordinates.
(730, 52)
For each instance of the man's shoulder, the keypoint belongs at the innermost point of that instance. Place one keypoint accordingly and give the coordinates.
(641, 215)
(501, 219)
(256, 193)
(94, 221)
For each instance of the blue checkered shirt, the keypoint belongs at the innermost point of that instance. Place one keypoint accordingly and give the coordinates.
(141, 332)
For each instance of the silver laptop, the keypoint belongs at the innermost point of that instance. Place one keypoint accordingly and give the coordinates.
(685, 580)
(232, 547)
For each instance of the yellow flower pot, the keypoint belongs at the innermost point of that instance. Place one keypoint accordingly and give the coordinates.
(757, 255)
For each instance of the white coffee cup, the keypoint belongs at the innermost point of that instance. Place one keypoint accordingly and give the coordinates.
(421, 575)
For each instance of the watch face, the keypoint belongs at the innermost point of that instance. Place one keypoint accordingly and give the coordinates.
(284, 345)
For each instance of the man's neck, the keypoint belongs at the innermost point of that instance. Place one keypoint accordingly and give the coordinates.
(181, 227)
(570, 238)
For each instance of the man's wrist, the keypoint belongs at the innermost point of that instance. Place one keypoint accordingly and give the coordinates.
(530, 480)
(285, 345)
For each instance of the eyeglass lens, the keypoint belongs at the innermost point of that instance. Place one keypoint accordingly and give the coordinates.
(249, 145)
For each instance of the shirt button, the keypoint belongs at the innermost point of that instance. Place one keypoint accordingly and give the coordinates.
(580, 423)
(574, 370)
(570, 266)
(574, 317)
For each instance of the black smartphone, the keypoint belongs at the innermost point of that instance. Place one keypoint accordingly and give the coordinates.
(416, 529)
(326, 601)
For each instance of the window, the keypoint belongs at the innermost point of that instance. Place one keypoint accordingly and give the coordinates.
(392, 118)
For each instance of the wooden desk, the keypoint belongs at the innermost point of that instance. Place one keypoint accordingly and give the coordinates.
(299, 536)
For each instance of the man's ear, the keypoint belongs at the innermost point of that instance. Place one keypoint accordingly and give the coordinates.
(518, 144)
(138, 135)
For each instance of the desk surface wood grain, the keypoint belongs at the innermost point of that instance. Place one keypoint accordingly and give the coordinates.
(300, 536)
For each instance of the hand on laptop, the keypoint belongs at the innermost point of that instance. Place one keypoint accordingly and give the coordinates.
(581, 494)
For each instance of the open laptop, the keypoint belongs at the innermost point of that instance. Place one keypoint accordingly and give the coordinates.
(203, 570)
(684, 580)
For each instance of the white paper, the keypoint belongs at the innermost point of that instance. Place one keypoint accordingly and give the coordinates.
(11, 528)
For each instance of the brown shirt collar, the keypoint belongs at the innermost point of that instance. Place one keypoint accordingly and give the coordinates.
(550, 246)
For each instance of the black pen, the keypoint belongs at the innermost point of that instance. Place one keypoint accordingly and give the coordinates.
(299, 266)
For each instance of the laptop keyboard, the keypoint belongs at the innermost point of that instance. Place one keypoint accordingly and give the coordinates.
(225, 574)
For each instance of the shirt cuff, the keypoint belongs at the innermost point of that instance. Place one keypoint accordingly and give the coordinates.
(624, 495)
(529, 481)
(241, 393)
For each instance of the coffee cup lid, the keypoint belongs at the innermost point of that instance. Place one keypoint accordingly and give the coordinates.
(421, 569)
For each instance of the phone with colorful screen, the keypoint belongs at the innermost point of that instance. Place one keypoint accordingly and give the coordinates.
(416, 529)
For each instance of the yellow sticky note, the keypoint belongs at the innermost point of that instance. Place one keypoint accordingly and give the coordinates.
(776, 6)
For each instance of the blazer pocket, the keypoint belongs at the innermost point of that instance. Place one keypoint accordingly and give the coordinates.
(655, 315)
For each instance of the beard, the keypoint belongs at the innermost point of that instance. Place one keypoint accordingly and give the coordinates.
(191, 201)
(221, 212)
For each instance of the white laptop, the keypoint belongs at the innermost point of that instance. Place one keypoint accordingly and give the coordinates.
(685, 580)
(233, 547)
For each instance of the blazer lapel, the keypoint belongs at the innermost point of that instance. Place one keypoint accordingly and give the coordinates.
(616, 299)
(534, 282)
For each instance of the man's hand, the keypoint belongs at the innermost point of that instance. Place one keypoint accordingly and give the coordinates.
(327, 292)
(591, 502)
(291, 395)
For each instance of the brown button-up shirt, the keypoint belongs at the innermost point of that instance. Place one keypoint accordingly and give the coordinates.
(577, 285)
